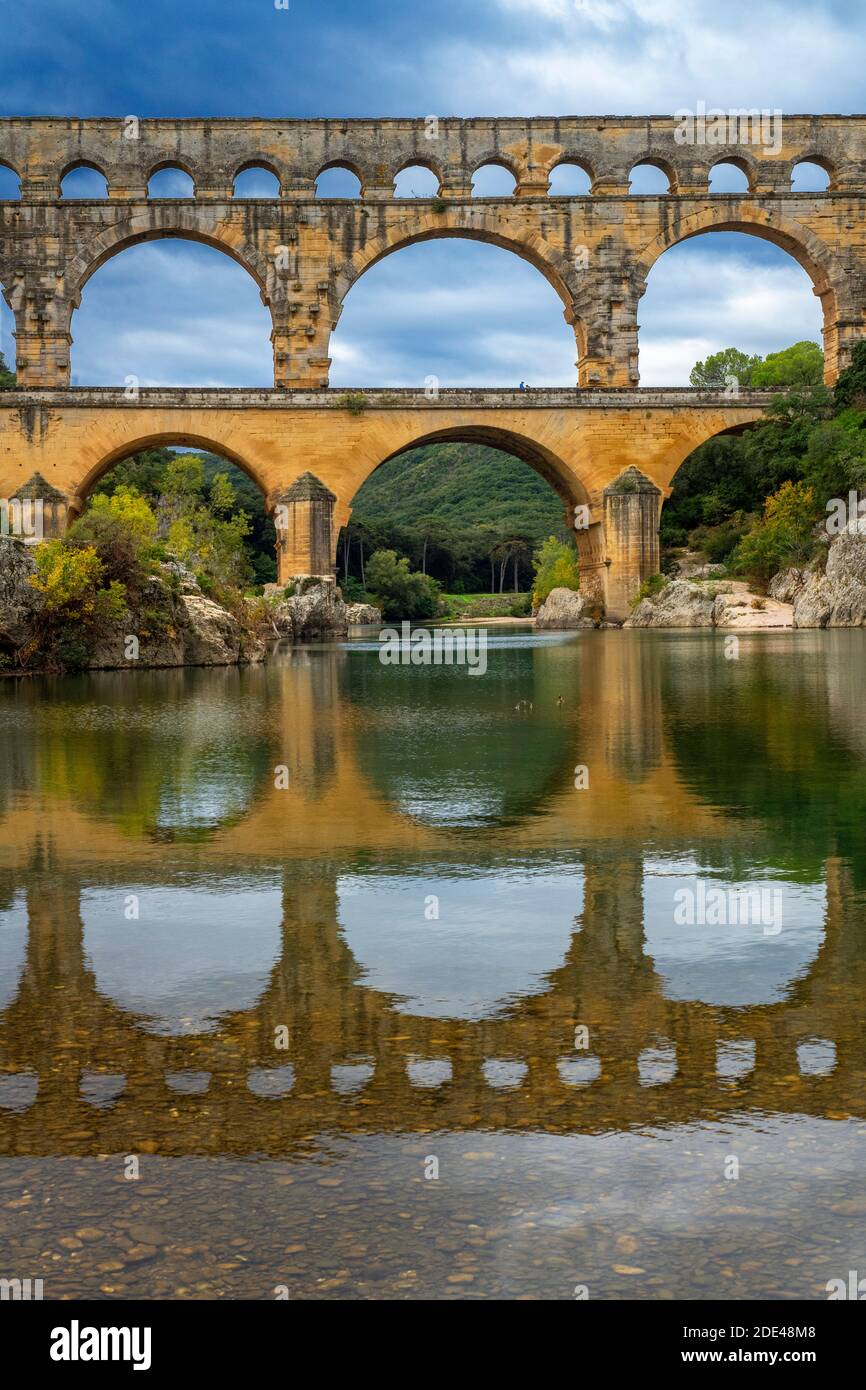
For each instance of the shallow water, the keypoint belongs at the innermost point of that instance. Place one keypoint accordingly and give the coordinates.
(332, 979)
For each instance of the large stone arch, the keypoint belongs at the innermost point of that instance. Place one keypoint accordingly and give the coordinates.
(549, 464)
(476, 223)
(156, 223)
(824, 266)
(160, 224)
(115, 441)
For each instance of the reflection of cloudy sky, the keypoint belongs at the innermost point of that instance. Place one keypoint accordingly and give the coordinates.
(193, 955)
(493, 944)
(461, 312)
(733, 964)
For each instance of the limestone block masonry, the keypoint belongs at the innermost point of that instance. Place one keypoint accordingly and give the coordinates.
(305, 253)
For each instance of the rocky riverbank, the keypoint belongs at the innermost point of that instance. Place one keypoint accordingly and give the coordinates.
(171, 622)
(726, 604)
(830, 592)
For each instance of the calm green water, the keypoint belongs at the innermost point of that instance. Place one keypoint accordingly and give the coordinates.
(355, 981)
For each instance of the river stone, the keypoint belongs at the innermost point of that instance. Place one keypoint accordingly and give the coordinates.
(315, 610)
(679, 604)
(564, 609)
(362, 615)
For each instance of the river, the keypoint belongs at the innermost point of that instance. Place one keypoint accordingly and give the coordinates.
(331, 979)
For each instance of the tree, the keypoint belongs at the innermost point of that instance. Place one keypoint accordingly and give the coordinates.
(800, 365)
(121, 530)
(556, 567)
(851, 386)
(784, 536)
(77, 603)
(222, 494)
(399, 592)
(716, 372)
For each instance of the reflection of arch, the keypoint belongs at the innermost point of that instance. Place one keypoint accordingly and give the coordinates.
(408, 765)
(471, 963)
(180, 980)
(557, 270)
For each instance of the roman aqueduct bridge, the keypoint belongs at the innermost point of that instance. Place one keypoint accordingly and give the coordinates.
(306, 252)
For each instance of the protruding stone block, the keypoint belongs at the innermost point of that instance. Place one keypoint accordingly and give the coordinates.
(38, 511)
(632, 505)
(304, 518)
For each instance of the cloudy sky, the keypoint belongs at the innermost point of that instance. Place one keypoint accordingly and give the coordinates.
(173, 312)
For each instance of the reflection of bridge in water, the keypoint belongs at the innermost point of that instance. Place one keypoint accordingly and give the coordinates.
(355, 1062)
(358, 1061)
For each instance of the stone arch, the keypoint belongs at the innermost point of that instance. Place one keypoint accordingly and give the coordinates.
(809, 157)
(158, 224)
(580, 161)
(420, 161)
(744, 162)
(502, 161)
(181, 164)
(82, 164)
(97, 460)
(547, 463)
(351, 165)
(657, 159)
(481, 226)
(7, 164)
(260, 161)
(824, 267)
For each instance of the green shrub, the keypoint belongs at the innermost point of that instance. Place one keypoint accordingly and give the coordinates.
(785, 535)
(649, 588)
(398, 591)
(556, 567)
(353, 401)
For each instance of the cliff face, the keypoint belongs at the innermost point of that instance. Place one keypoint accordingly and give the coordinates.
(834, 597)
(19, 601)
(170, 624)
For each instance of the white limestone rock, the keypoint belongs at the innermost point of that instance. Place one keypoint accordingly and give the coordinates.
(564, 609)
